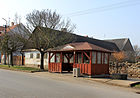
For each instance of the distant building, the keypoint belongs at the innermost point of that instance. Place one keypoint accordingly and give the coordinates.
(18, 28)
(124, 45)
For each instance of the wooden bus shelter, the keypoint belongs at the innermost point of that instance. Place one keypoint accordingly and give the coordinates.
(91, 59)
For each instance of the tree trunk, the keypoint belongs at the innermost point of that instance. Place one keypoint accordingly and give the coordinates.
(8, 60)
(42, 61)
(4, 58)
(22, 58)
(11, 58)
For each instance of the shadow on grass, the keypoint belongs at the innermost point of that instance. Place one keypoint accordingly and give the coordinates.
(136, 85)
(39, 70)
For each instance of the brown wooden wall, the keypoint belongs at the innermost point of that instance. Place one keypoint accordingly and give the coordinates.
(55, 67)
(84, 68)
(17, 60)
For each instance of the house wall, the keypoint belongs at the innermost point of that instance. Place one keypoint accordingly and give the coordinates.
(7, 59)
(17, 58)
(35, 62)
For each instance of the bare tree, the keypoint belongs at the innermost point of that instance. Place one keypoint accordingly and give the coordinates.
(3, 46)
(17, 19)
(118, 57)
(10, 44)
(50, 30)
(136, 51)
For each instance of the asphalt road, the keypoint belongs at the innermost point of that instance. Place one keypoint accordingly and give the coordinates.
(24, 85)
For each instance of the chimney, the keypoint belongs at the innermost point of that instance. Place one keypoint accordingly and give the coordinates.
(86, 36)
(12, 23)
(64, 29)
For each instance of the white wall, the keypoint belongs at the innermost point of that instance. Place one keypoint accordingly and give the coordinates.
(34, 61)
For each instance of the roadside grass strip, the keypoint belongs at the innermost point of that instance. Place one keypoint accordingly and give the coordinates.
(137, 86)
(20, 68)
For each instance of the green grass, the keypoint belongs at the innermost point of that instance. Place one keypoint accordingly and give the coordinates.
(137, 86)
(22, 68)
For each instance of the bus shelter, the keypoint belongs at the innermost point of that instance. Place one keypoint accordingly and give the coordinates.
(91, 59)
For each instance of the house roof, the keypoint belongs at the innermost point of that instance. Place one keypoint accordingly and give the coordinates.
(16, 29)
(30, 50)
(2, 28)
(79, 46)
(121, 43)
(101, 43)
(11, 27)
(78, 38)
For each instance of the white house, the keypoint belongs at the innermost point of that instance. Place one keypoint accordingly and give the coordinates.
(33, 57)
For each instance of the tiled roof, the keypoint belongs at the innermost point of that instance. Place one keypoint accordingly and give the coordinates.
(2, 28)
(121, 43)
(78, 38)
(8, 28)
(79, 46)
(104, 44)
(11, 27)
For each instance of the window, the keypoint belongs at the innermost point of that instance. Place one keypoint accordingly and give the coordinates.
(78, 58)
(38, 55)
(65, 59)
(53, 58)
(106, 58)
(71, 59)
(85, 57)
(99, 58)
(103, 58)
(57, 57)
(31, 55)
(93, 57)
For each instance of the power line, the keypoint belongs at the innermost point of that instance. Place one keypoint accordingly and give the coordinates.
(106, 8)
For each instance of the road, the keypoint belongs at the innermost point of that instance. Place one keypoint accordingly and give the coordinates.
(25, 85)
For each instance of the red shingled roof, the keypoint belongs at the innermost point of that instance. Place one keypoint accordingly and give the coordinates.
(8, 28)
(2, 28)
(11, 27)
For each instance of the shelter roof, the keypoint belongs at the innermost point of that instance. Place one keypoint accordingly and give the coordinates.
(79, 46)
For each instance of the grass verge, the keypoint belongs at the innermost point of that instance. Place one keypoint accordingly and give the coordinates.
(19, 68)
(137, 86)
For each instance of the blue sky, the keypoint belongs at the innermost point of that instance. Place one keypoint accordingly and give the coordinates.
(122, 22)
